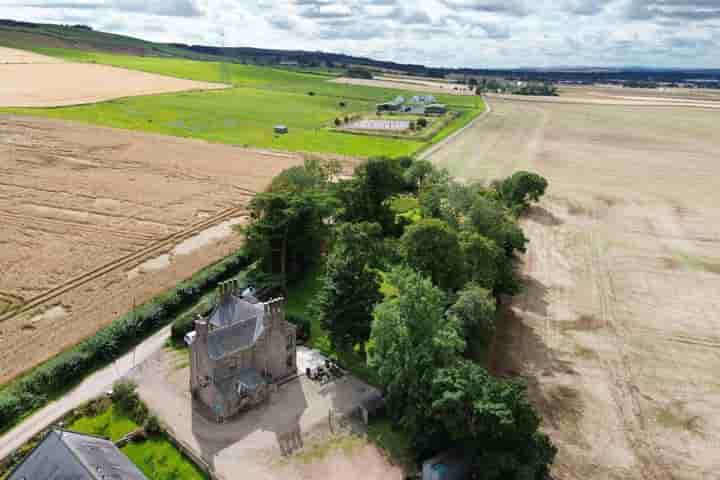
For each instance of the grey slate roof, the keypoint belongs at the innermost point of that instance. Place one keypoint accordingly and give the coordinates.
(235, 309)
(64, 455)
(238, 325)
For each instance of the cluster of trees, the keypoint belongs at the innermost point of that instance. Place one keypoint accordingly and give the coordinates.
(417, 292)
(494, 85)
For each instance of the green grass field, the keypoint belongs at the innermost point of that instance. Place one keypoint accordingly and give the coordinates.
(260, 98)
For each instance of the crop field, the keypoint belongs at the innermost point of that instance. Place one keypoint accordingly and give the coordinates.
(616, 331)
(33, 80)
(95, 220)
(245, 114)
(404, 83)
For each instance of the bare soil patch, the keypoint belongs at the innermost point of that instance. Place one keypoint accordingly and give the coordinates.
(616, 329)
(96, 219)
(31, 80)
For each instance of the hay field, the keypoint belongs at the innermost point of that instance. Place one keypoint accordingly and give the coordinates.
(95, 219)
(616, 332)
(32, 80)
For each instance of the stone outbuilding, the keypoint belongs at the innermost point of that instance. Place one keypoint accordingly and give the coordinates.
(240, 351)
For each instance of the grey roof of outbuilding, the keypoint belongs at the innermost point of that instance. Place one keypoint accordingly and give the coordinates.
(64, 455)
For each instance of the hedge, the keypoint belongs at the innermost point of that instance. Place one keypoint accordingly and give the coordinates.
(303, 326)
(66, 370)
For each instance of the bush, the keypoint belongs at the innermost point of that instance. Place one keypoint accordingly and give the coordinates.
(124, 395)
(67, 369)
(338, 122)
(152, 425)
(311, 93)
(422, 122)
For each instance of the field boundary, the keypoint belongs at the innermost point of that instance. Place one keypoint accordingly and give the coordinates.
(432, 148)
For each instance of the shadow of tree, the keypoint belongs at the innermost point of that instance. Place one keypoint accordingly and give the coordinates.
(541, 215)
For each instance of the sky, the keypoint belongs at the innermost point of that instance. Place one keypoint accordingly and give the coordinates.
(441, 33)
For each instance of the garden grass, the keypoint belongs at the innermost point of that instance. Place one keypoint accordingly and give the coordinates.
(111, 424)
(159, 459)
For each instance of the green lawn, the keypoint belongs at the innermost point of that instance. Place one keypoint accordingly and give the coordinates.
(156, 457)
(159, 459)
(260, 98)
(109, 424)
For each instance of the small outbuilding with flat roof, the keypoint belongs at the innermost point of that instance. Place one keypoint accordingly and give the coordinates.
(280, 129)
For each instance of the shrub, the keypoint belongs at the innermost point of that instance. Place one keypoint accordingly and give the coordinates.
(422, 122)
(338, 122)
(152, 425)
(412, 125)
(124, 395)
(311, 93)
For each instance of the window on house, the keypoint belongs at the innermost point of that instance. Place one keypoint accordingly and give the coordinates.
(290, 362)
(290, 341)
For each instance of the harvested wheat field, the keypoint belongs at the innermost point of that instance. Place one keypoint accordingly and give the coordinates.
(672, 97)
(616, 331)
(407, 84)
(94, 219)
(32, 80)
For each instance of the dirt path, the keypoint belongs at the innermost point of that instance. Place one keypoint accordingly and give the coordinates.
(615, 331)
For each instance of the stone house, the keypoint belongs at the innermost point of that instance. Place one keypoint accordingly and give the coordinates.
(240, 351)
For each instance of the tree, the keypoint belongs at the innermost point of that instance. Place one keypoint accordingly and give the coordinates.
(431, 247)
(364, 197)
(518, 190)
(481, 257)
(490, 218)
(475, 310)
(351, 289)
(288, 221)
(410, 339)
(491, 420)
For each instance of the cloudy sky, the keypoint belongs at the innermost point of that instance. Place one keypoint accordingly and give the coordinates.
(454, 33)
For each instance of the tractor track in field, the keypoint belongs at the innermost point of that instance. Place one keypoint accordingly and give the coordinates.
(23, 220)
(127, 260)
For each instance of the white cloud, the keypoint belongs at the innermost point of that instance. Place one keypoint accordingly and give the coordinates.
(455, 33)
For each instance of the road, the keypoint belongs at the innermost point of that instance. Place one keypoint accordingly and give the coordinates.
(93, 386)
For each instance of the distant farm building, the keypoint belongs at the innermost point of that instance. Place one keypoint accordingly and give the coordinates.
(392, 106)
(280, 129)
(436, 109)
(423, 100)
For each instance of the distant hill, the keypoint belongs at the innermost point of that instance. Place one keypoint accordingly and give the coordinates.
(37, 36)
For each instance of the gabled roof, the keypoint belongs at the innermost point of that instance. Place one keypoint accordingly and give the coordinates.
(64, 455)
(233, 309)
(239, 336)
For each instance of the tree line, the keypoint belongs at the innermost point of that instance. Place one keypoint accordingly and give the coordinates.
(416, 289)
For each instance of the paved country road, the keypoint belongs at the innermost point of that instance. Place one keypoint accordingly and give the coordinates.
(91, 387)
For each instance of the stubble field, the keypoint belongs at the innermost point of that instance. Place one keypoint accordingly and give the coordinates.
(616, 331)
(33, 80)
(96, 219)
